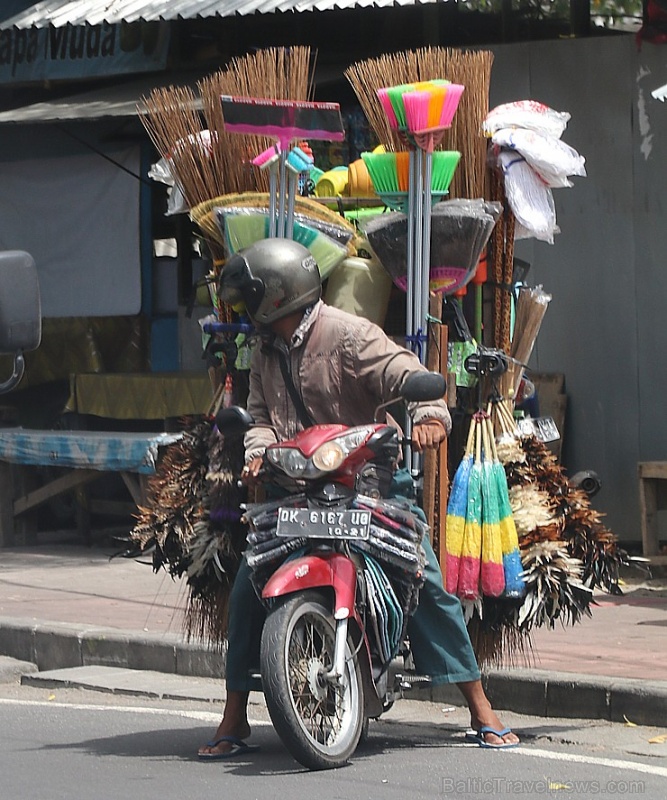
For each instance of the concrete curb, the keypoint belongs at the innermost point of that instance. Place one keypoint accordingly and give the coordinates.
(12, 670)
(53, 645)
(56, 645)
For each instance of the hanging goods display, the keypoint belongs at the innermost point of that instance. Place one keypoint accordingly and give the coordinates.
(482, 546)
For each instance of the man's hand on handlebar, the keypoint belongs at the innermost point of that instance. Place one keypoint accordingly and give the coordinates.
(428, 434)
(250, 473)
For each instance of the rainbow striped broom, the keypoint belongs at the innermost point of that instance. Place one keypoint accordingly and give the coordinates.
(492, 569)
(515, 585)
(456, 516)
(471, 550)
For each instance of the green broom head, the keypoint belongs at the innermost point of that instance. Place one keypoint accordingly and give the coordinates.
(383, 170)
(389, 173)
(444, 166)
(395, 95)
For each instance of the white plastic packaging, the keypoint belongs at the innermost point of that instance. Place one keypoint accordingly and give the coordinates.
(530, 199)
(551, 158)
(526, 114)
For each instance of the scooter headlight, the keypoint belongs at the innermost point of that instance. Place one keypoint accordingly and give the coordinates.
(329, 457)
(289, 460)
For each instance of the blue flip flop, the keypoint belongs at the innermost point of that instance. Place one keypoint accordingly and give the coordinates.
(477, 737)
(239, 747)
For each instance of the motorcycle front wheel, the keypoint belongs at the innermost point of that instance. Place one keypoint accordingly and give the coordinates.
(319, 720)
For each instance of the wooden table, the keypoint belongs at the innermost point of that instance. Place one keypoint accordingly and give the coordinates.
(652, 498)
(81, 457)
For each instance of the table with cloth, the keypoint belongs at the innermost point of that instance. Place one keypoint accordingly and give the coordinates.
(140, 395)
(81, 456)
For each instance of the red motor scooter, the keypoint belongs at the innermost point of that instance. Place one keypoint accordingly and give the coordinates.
(338, 566)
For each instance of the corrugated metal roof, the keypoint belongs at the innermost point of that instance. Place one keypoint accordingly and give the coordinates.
(94, 12)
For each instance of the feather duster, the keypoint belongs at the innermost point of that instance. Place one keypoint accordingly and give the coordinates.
(191, 523)
(555, 591)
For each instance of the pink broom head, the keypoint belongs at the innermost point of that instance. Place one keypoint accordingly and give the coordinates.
(450, 104)
(268, 157)
(416, 110)
(383, 97)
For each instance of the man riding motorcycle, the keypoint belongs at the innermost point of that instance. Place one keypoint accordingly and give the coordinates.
(318, 364)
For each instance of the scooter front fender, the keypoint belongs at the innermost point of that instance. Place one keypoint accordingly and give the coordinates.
(313, 571)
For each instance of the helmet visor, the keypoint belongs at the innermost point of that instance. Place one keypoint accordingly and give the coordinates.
(237, 285)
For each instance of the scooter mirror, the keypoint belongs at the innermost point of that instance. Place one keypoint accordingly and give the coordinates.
(233, 421)
(20, 311)
(20, 306)
(421, 386)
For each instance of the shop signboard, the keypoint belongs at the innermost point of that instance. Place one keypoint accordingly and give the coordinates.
(37, 54)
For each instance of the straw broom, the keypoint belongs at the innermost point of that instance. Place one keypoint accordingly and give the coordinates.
(275, 73)
(472, 69)
(206, 168)
(174, 124)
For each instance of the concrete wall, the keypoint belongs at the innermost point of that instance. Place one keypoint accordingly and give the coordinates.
(606, 271)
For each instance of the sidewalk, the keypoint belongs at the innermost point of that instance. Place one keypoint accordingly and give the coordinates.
(68, 606)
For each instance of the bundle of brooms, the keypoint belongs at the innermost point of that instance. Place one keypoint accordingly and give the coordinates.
(566, 550)
(207, 161)
(470, 68)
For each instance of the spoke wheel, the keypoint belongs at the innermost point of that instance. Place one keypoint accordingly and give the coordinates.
(318, 719)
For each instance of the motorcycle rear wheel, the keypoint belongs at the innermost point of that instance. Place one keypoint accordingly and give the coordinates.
(319, 722)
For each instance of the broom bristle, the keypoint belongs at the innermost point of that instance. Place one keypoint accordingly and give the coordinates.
(417, 107)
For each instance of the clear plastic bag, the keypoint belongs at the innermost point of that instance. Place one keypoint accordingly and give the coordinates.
(529, 197)
(176, 203)
(551, 158)
(526, 114)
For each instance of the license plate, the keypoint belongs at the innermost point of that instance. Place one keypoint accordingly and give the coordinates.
(315, 523)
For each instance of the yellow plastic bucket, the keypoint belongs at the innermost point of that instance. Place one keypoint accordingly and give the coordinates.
(332, 183)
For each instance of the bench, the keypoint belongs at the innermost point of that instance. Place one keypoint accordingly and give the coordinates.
(652, 498)
(82, 457)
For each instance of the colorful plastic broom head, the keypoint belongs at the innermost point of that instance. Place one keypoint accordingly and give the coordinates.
(469, 567)
(393, 95)
(429, 111)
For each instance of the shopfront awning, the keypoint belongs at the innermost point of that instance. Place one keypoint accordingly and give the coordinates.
(120, 100)
(58, 13)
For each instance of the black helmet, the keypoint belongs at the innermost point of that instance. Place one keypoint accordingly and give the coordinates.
(273, 277)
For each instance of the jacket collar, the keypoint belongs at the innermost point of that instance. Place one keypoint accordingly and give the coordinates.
(309, 317)
(270, 340)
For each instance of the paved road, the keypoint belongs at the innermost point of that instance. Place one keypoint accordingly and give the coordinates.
(66, 744)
